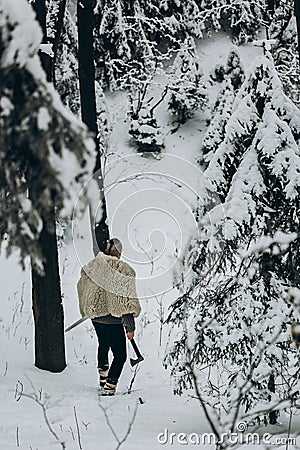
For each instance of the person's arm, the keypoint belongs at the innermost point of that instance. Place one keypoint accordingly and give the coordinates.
(129, 325)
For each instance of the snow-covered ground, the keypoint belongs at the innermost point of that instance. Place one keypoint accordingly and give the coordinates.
(75, 390)
(150, 207)
(22, 418)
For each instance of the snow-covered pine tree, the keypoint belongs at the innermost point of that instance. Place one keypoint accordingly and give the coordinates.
(195, 17)
(242, 19)
(145, 58)
(122, 46)
(187, 92)
(103, 119)
(177, 19)
(234, 69)
(66, 66)
(144, 129)
(285, 51)
(131, 36)
(232, 76)
(112, 48)
(248, 261)
(221, 113)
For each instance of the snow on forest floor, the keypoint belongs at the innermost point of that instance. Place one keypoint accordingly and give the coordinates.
(150, 204)
(21, 418)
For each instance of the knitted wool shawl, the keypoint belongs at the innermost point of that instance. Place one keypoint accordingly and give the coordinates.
(107, 286)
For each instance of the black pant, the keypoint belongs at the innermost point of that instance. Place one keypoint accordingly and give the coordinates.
(111, 337)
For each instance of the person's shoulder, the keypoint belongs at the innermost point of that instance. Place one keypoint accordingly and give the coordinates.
(101, 258)
(117, 264)
(101, 255)
(127, 269)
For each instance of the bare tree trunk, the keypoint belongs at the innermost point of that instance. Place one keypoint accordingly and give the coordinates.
(85, 12)
(273, 414)
(271, 6)
(46, 291)
(58, 30)
(41, 13)
(297, 14)
(47, 305)
(48, 61)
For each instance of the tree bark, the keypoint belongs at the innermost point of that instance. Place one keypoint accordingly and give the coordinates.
(273, 414)
(271, 6)
(41, 14)
(85, 13)
(47, 305)
(46, 291)
(58, 30)
(297, 14)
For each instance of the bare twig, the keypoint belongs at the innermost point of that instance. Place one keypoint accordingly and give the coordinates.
(160, 315)
(129, 428)
(19, 392)
(37, 398)
(17, 437)
(159, 101)
(6, 368)
(44, 410)
(136, 369)
(202, 402)
(85, 424)
(148, 256)
(22, 299)
(72, 433)
(26, 342)
(77, 427)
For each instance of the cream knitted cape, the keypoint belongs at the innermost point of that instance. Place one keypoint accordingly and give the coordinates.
(107, 286)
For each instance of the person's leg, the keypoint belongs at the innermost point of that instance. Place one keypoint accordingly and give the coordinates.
(118, 348)
(103, 349)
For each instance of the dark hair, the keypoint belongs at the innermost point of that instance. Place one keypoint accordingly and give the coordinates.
(114, 242)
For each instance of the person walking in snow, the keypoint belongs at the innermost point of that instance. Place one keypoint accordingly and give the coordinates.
(107, 295)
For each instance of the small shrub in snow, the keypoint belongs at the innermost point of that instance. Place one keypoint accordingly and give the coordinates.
(187, 92)
(145, 132)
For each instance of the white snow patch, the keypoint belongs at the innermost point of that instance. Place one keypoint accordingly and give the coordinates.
(43, 119)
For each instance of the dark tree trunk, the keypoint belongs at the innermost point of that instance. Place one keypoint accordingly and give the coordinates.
(47, 305)
(297, 14)
(46, 291)
(41, 14)
(271, 6)
(273, 414)
(48, 61)
(58, 30)
(85, 13)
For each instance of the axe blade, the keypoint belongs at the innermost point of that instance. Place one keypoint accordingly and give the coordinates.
(140, 358)
(133, 361)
